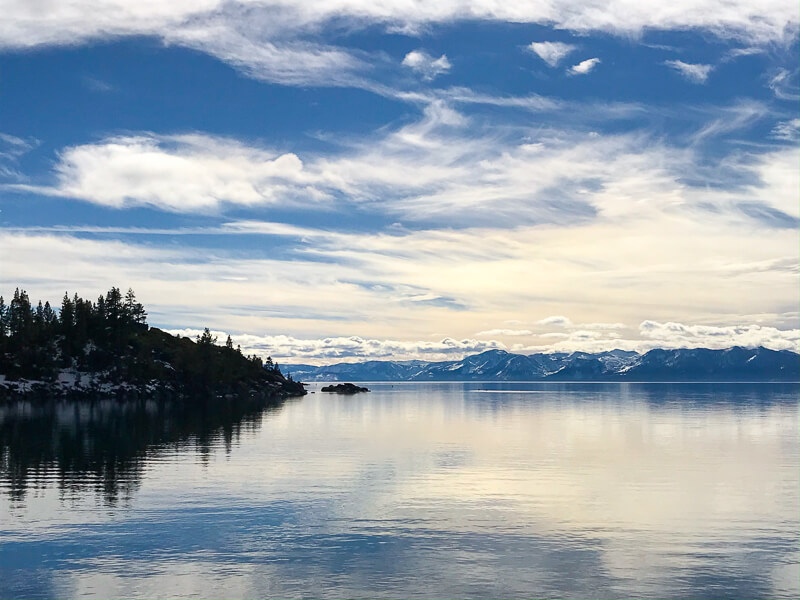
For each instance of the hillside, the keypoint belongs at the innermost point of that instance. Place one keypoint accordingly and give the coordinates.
(106, 347)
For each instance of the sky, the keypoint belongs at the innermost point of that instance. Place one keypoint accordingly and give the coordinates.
(350, 179)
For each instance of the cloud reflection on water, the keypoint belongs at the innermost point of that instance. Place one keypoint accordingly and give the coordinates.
(435, 491)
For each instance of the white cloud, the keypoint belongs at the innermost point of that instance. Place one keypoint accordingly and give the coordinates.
(299, 297)
(555, 321)
(555, 221)
(583, 67)
(738, 52)
(787, 130)
(289, 62)
(350, 348)
(653, 334)
(53, 21)
(11, 149)
(185, 173)
(12, 146)
(784, 84)
(679, 335)
(424, 64)
(275, 40)
(445, 169)
(551, 52)
(696, 73)
(97, 85)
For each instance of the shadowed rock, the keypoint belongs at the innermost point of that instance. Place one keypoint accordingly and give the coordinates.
(344, 388)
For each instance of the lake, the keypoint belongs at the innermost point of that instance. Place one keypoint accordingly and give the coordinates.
(444, 490)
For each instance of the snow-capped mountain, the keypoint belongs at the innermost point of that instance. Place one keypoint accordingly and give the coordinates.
(698, 364)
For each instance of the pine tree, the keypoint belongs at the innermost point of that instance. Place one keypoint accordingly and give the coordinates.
(3, 319)
(206, 339)
(114, 307)
(229, 343)
(67, 314)
(20, 316)
(38, 317)
(49, 315)
(134, 311)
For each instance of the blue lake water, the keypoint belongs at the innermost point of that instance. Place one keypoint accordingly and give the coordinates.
(414, 490)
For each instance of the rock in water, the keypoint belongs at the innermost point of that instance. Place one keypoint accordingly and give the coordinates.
(344, 388)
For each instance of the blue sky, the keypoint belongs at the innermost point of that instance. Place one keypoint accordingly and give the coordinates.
(340, 180)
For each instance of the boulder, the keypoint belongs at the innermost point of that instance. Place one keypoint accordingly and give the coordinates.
(344, 388)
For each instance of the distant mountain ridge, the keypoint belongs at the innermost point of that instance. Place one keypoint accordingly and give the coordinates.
(693, 364)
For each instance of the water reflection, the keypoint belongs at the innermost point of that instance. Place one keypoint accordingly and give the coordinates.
(436, 491)
(104, 445)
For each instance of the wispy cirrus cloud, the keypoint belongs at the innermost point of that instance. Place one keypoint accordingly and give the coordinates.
(11, 149)
(784, 84)
(52, 22)
(495, 272)
(279, 40)
(787, 130)
(431, 170)
(696, 73)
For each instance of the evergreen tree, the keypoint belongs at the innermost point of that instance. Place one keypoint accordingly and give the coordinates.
(49, 315)
(114, 307)
(20, 317)
(134, 311)
(100, 309)
(206, 339)
(3, 319)
(110, 339)
(67, 314)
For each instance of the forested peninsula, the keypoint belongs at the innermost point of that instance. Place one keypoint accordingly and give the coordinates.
(106, 348)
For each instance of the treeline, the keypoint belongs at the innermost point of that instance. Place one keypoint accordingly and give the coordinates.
(110, 340)
(37, 341)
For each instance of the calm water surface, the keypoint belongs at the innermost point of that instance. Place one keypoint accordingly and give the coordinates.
(424, 490)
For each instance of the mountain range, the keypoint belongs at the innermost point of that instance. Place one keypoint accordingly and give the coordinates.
(693, 364)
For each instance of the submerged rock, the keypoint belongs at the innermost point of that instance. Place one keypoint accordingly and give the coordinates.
(344, 388)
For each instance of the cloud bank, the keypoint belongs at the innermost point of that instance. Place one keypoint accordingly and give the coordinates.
(653, 334)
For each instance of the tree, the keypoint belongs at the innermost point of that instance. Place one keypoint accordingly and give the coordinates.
(206, 339)
(20, 316)
(67, 314)
(3, 322)
(134, 311)
(114, 307)
(49, 314)
(103, 338)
